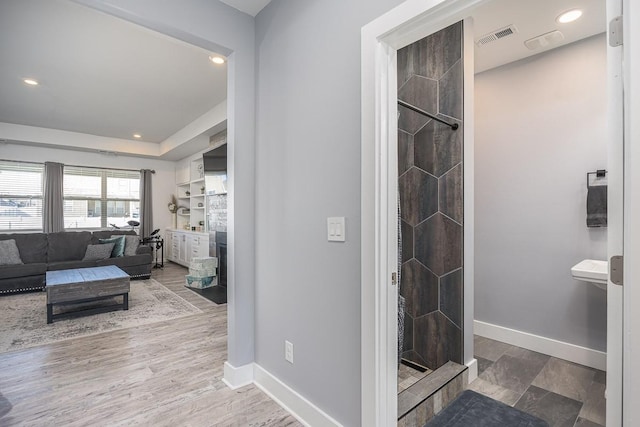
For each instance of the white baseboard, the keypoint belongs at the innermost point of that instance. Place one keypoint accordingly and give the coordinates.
(562, 350)
(473, 370)
(302, 409)
(237, 377)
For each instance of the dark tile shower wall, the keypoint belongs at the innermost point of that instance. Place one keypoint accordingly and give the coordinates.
(431, 196)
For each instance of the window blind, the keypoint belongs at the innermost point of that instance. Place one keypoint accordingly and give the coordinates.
(97, 198)
(20, 196)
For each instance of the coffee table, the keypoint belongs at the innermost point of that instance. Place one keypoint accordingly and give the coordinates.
(86, 284)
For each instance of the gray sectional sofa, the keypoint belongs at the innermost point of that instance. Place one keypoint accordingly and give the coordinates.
(60, 251)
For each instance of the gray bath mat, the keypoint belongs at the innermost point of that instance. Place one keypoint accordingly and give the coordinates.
(472, 409)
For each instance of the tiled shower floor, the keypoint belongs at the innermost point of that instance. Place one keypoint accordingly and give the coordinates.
(408, 376)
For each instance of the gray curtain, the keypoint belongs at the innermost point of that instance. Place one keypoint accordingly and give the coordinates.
(53, 202)
(146, 205)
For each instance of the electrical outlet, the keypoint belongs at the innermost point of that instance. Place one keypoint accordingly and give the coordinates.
(288, 352)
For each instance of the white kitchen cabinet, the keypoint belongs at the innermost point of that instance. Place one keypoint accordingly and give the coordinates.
(199, 246)
(185, 245)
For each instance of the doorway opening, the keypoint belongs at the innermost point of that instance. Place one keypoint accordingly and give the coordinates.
(409, 24)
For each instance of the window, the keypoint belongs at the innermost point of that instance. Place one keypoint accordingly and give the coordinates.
(20, 196)
(96, 198)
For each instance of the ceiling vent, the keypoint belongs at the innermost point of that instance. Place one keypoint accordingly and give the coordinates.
(545, 40)
(497, 35)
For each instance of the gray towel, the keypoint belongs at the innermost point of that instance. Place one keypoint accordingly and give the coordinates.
(597, 206)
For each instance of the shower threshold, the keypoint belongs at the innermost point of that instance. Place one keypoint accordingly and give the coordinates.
(427, 396)
(410, 373)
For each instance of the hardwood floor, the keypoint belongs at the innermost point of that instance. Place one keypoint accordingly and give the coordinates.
(162, 374)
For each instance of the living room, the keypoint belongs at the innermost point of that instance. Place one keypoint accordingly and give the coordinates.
(108, 117)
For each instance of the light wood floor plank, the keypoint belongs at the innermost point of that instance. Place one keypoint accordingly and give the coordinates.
(163, 374)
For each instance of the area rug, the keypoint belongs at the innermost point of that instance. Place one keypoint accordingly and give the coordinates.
(23, 317)
(472, 409)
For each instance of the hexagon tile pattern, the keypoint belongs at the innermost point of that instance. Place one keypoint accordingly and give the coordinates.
(446, 45)
(437, 148)
(437, 339)
(418, 196)
(420, 92)
(450, 102)
(451, 296)
(407, 63)
(438, 244)
(407, 343)
(450, 193)
(431, 197)
(405, 152)
(410, 121)
(407, 241)
(420, 288)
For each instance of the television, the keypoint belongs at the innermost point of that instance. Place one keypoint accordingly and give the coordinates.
(216, 160)
(215, 170)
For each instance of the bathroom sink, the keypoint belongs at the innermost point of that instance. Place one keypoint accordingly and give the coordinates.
(591, 270)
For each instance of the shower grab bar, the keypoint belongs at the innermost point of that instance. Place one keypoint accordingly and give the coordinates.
(453, 126)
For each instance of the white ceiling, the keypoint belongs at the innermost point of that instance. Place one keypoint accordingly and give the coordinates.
(106, 77)
(252, 7)
(531, 19)
(100, 75)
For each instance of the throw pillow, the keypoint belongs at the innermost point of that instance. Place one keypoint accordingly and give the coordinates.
(118, 248)
(131, 244)
(9, 254)
(98, 252)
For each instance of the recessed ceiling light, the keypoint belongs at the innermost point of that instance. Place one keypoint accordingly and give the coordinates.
(217, 59)
(31, 82)
(569, 16)
(137, 136)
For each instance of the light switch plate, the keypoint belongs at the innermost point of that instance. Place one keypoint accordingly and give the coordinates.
(336, 230)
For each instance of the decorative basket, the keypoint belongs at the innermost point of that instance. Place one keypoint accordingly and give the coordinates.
(199, 282)
(203, 267)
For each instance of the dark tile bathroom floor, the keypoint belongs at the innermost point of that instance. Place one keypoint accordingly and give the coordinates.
(560, 392)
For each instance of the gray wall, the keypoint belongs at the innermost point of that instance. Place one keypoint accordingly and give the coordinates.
(540, 127)
(431, 197)
(308, 168)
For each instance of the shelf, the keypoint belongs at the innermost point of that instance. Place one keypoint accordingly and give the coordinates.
(191, 194)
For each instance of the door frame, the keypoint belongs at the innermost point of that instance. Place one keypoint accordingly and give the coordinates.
(405, 24)
(615, 228)
(381, 38)
(631, 228)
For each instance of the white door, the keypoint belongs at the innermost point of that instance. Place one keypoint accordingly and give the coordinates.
(615, 223)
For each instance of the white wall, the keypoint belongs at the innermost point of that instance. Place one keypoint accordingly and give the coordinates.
(540, 127)
(163, 181)
(308, 168)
